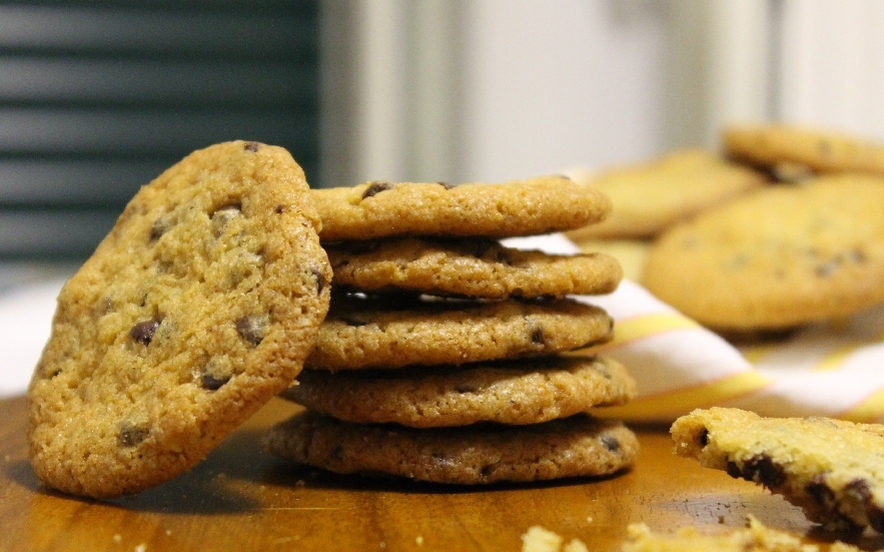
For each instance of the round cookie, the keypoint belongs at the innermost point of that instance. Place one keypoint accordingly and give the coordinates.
(514, 392)
(384, 333)
(199, 306)
(468, 268)
(650, 197)
(579, 446)
(517, 208)
(776, 145)
(777, 258)
(832, 469)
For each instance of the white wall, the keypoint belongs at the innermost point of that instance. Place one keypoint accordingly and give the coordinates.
(832, 65)
(552, 85)
(490, 90)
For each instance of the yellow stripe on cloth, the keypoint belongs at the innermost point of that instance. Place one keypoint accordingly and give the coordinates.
(671, 404)
(870, 409)
(632, 329)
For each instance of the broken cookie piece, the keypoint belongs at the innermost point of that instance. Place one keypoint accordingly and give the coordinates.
(832, 469)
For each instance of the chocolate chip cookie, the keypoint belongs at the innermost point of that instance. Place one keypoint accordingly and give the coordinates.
(515, 392)
(468, 268)
(518, 208)
(579, 446)
(832, 469)
(651, 196)
(820, 150)
(778, 257)
(199, 306)
(387, 332)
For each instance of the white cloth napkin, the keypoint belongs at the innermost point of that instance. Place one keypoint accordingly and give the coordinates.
(25, 322)
(827, 370)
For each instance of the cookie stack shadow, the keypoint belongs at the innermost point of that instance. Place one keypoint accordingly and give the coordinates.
(456, 359)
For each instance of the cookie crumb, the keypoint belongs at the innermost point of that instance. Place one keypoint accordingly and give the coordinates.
(141, 547)
(538, 539)
(419, 540)
(118, 538)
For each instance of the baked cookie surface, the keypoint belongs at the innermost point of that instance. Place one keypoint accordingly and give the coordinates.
(517, 208)
(833, 469)
(649, 197)
(579, 446)
(515, 392)
(468, 268)
(198, 307)
(770, 145)
(778, 257)
(756, 537)
(382, 332)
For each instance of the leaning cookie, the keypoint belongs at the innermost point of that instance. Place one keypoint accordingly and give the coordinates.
(820, 150)
(776, 258)
(832, 469)
(514, 392)
(365, 332)
(651, 196)
(198, 307)
(468, 268)
(517, 208)
(579, 446)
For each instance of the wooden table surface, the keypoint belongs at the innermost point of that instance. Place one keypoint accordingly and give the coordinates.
(241, 499)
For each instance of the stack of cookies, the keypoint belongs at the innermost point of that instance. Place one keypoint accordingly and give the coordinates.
(448, 357)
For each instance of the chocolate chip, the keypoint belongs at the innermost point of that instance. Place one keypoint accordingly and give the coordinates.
(829, 268)
(447, 185)
(215, 373)
(222, 217)
(759, 469)
(537, 337)
(377, 187)
(466, 387)
(213, 383)
(861, 491)
(279, 209)
(611, 443)
(143, 332)
(820, 492)
(160, 227)
(252, 328)
(703, 438)
(252, 146)
(320, 280)
(131, 434)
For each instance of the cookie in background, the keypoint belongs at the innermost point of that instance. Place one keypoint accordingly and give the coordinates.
(790, 150)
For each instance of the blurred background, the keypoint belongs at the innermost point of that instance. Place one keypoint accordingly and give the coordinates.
(97, 97)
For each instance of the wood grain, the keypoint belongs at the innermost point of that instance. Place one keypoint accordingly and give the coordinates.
(241, 499)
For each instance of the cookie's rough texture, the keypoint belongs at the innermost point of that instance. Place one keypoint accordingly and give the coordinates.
(518, 208)
(515, 392)
(386, 333)
(777, 258)
(469, 268)
(650, 197)
(832, 469)
(478, 454)
(754, 538)
(772, 145)
(199, 306)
